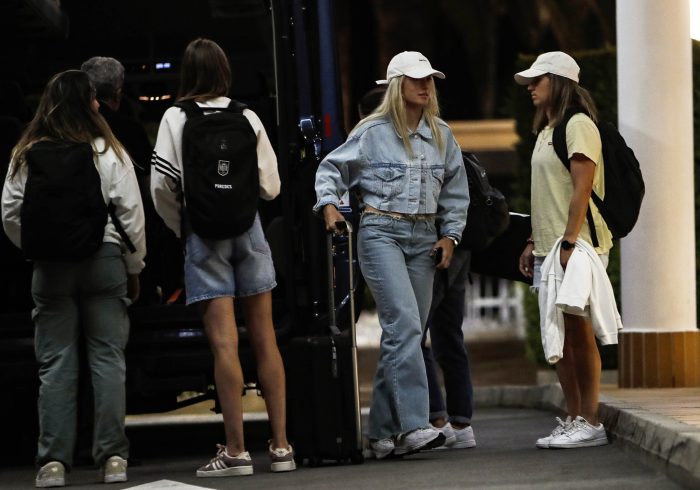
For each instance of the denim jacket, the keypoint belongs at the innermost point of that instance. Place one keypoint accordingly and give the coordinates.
(374, 160)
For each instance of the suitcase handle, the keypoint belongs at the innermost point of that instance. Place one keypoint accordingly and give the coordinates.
(345, 228)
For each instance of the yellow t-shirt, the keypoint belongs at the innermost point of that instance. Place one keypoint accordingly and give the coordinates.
(552, 187)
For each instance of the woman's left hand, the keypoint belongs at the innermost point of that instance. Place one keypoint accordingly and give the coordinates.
(564, 256)
(447, 246)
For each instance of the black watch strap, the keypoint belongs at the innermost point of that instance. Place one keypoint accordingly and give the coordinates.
(567, 245)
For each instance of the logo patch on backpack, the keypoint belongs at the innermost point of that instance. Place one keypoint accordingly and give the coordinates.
(223, 167)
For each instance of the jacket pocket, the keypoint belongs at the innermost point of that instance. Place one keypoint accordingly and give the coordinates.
(389, 181)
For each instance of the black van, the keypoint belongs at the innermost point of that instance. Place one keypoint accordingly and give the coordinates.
(284, 66)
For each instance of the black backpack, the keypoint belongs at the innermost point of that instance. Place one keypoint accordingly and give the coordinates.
(63, 212)
(488, 215)
(221, 170)
(624, 185)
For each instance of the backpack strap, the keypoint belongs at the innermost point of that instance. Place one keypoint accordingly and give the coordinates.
(111, 209)
(236, 107)
(559, 137)
(190, 107)
(193, 109)
(559, 144)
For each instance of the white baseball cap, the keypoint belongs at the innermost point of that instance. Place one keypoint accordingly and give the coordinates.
(412, 64)
(554, 62)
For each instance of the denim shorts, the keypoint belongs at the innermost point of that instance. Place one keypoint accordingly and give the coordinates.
(236, 267)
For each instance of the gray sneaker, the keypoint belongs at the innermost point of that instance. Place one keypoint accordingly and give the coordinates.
(418, 440)
(52, 474)
(282, 459)
(224, 465)
(114, 470)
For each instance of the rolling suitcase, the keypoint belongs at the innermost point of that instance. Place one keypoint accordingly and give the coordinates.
(323, 416)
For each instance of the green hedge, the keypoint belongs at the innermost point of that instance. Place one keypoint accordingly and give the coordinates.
(599, 76)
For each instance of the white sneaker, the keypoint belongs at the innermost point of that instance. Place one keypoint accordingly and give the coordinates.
(580, 433)
(464, 438)
(449, 433)
(543, 442)
(418, 440)
(52, 474)
(382, 447)
(114, 470)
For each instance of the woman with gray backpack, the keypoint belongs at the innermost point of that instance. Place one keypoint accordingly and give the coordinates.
(72, 204)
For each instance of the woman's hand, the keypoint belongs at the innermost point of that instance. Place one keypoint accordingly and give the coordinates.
(564, 256)
(447, 246)
(331, 215)
(133, 287)
(527, 261)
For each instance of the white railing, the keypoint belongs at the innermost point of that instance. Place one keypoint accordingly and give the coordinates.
(493, 308)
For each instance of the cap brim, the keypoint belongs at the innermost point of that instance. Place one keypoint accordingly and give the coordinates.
(526, 76)
(422, 73)
(416, 74)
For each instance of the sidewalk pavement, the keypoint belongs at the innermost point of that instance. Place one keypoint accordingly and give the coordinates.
(661, 426)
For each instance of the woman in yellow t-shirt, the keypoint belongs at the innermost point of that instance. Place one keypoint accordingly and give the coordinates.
(560, 200)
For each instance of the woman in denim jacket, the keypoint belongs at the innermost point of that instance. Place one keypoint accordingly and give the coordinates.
(407, 167)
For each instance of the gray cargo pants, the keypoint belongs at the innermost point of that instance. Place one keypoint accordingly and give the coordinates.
(72, 299)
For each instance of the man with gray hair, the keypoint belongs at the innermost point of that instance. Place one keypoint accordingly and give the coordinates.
(107, 74)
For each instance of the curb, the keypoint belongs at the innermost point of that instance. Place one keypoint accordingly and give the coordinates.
(663, 443)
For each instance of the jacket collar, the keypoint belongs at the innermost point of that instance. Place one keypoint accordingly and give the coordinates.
(423, 130)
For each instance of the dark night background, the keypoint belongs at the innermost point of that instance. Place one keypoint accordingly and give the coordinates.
(474, 42)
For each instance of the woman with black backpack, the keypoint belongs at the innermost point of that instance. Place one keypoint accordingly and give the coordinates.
(563, 244)
(71, 202)
(214, 155)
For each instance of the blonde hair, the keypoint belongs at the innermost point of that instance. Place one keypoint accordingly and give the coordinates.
(65, 113)
(564, 94)
(394, 108)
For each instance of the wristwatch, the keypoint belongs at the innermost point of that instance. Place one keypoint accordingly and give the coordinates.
(566, 245)
(454, 240)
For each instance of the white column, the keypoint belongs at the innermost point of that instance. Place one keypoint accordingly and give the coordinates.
(655, 104)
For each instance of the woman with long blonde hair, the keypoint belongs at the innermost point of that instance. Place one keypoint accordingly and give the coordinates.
(407, 167)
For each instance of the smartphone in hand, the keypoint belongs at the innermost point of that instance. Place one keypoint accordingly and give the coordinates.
(437, 255)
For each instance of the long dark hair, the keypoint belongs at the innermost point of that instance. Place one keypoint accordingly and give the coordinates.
(65, 113)
(564, 94)
(205, 72)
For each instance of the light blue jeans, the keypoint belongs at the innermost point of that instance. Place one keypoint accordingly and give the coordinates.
(85, 298)
(395, 261)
